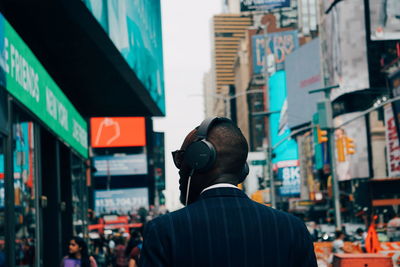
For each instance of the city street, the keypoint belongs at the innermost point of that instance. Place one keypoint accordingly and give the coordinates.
(282, 116)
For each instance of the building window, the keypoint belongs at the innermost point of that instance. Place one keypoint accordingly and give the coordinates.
(24, 192)
(79, 197)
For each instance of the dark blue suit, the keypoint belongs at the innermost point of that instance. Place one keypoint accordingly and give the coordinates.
(225, 228)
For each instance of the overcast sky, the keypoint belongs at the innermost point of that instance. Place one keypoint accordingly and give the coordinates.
(187, 56)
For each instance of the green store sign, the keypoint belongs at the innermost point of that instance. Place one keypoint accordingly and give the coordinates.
(26, 79)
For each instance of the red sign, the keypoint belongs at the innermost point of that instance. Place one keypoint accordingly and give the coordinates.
(392, 143)
(118, 132)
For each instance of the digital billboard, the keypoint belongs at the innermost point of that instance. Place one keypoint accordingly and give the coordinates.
(392, 143)
(356, 165)
(120, 201)
(344, 47)
(303, 70)
(134, 26)
(262, 5)
(279, 45)
(384, 19)
(286, 151)
(118, 132)
(120, 165)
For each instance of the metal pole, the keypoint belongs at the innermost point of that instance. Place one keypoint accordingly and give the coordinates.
(335, 182)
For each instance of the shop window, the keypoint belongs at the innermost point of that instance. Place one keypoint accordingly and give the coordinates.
(2, 203)
(24, 192)
(79, 197)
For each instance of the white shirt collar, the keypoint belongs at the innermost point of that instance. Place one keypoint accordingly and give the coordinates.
(219, 186)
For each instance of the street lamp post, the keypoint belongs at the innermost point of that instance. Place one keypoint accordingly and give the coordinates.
(328, 120)
(269, 151)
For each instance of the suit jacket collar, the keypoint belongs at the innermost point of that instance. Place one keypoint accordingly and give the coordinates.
(223, 192)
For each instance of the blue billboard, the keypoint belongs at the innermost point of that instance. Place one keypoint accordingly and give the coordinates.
(262, 5)
(279, 45)
(286, 151)
(121, 201)
(134, 26)
(120, 165)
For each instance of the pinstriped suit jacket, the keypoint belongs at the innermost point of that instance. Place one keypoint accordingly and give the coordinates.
(225, 228)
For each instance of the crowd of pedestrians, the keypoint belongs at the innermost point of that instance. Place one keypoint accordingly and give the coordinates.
(119, 248)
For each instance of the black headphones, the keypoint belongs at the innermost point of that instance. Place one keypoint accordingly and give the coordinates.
(201, 154)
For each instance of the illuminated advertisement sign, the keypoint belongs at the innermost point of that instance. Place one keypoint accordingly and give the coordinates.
(118, 132)
(279, 45)
(121, 201)
(134, 27)
(392, 143)
(288, 173)
(23, 76)
(286, 149)
(262, 5)
(120, 165)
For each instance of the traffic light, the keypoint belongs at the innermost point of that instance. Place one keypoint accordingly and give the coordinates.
(340, 149)
(350, 147)
(322, 135)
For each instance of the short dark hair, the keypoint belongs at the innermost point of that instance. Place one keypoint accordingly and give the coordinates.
(231, 147)
(339, 233)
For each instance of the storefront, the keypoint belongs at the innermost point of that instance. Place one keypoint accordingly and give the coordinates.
(43, 150)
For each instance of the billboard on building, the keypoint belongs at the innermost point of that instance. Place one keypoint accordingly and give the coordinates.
(288, 173)
(134, 26)
(384, 19)
(120, 201)
(279, 45)
(120, 165)
(356, 165)
(344, 48)
(118, 132)
(262, 5)
(286, 150)
(303, 70)
(392, 143)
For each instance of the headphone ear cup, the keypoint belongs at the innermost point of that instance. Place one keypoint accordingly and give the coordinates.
(245, 172)
(200, 156)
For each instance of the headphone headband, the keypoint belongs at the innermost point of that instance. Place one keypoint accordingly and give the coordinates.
(207, 124)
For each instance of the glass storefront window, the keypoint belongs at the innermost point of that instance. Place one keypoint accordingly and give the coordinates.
(2, 204)
(79, 197)
(24, 192)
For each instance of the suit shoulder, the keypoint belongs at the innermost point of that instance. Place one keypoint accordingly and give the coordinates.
(164, 219)
(279, 214)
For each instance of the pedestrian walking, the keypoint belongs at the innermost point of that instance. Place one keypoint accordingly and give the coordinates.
(393, 228)
(78, 255)
(220, 225)
(121, 260)
(133, 248)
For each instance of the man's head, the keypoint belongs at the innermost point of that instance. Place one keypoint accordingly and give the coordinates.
(231, 153)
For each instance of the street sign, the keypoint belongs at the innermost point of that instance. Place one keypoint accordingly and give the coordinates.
(258, 162)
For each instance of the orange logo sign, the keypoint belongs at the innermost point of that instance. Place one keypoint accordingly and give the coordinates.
(118, 132)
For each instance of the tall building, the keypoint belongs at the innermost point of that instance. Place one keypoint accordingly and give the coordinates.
(228, 30)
